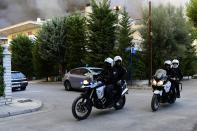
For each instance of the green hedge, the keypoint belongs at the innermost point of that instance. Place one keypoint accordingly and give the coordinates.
(1, 73)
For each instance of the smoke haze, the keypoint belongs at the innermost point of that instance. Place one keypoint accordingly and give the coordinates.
(15, 11)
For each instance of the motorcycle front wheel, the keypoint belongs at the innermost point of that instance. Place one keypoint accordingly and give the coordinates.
(155, 102)
(81, 108)
(120, 103)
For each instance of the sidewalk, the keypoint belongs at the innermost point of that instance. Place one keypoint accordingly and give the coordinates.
(20, 106)
(36, 81)
(43, 81)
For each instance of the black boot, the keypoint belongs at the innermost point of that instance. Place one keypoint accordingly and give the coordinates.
(178, 95)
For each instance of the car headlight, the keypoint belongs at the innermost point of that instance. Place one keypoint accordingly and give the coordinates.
(154, 82)
(85, 82)
(160, 83)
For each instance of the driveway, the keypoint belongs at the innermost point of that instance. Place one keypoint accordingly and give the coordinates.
(136, 116)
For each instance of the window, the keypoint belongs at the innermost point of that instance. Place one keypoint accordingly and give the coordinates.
(83, 71)
(96, 70)
(75, 71)
(17, 75)
(79, 71)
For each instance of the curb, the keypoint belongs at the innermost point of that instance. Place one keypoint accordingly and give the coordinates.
(4, 115)
(20, 111)
(140, 87)
(25, 111)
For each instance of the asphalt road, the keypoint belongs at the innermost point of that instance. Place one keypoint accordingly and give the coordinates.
(136, 116)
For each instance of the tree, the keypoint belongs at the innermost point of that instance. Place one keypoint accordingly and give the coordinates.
(192, 11)
(53, 46)
(170, 34)
(124, 37)
(42, 67)
(189, 61)
(138, 66)
(101, 32)
(76, 40)
(21, 47)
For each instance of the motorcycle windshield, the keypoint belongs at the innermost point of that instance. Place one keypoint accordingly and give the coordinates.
(160, 74)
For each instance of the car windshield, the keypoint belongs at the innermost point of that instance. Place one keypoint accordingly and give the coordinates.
(17, 75)
(160, 73)
(96, 70)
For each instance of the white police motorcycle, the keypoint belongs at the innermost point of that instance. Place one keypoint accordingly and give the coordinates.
(94, 96)
(162, 90)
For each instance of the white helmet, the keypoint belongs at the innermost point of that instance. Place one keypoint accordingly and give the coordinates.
(175, 63)
(116, 58)
(109, 60)
(168, 62)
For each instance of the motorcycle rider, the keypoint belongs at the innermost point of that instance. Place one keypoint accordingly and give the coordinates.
(119, 72)
(177, 76)
(168, 67)
(106, 76)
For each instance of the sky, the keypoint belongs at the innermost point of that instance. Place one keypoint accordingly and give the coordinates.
(15, 11)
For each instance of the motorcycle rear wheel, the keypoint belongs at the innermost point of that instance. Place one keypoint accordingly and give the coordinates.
(81, 108)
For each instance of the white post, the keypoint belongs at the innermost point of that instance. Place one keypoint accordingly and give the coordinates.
(7, 74)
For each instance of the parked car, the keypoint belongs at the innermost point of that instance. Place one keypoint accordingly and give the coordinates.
(19, 80)
(75, 77)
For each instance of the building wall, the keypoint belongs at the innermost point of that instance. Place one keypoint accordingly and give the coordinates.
(28, 32)
(195, 44)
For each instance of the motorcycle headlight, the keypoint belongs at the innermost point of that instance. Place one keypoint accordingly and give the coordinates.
(154, 82)
(160, 83)
(85, 82)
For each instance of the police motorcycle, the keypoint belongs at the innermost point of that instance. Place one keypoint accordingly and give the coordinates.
(163, 92)
(94, 96)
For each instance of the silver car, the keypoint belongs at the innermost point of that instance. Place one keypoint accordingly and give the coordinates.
(75, 77)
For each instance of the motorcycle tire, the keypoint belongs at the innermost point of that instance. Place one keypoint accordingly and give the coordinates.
(84, 106)
(120, 103)
(155, 102)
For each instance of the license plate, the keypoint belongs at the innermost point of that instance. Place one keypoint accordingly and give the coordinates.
(16, 85)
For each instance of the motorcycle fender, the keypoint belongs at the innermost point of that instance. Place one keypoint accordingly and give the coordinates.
(157, 92)
(89, 102)
(125, 91)
(84, 95)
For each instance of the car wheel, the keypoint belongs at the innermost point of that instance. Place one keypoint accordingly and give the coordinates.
(13, 89)
(67, 86)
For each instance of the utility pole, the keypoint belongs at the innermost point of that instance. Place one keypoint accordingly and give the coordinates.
(150, 43)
